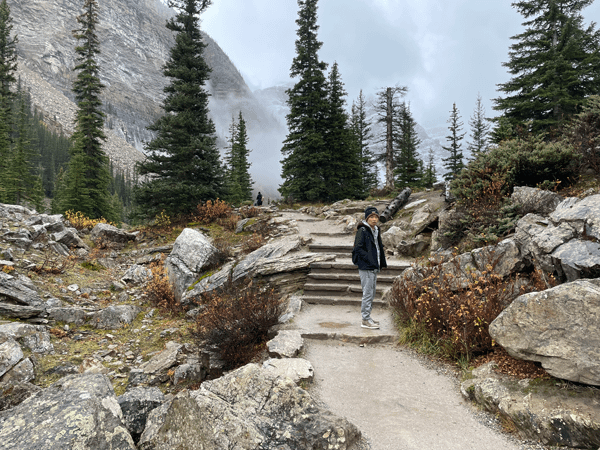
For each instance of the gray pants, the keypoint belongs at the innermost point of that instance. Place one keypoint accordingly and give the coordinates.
(368, 282)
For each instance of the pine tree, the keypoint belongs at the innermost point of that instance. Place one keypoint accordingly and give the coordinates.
(305, 153)
(409, 167)
(342, 170)
(555, 64)
(8, 55)
(480, 130)
(23, 182)
(239, 181)
(386, 108)
(8, 67)
(362, 137)
(430, 175)
(454, 163)
(88, 176)
(183, 167)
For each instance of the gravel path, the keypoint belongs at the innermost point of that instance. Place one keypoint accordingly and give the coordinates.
(399, 400)
(399, 403)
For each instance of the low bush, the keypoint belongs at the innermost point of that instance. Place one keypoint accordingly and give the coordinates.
(454, 322)
(235, 321)
(159, 289)
(80, 221)
(519, 162)
(211, 211)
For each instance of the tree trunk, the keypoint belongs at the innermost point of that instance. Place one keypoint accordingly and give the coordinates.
(389, 149)
(396, 204)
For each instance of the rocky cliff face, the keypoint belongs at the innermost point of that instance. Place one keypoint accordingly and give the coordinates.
(134, 46)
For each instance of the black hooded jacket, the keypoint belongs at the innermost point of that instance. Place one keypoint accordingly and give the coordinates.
(364, 254)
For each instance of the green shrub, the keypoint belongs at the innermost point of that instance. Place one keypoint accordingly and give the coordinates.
(584, 133)
(519, 162)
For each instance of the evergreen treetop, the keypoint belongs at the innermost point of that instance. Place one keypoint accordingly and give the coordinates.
(454, 163)
(555, 65)
(183, 166)
(304, 150)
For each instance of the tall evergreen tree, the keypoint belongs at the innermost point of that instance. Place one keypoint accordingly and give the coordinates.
(409, 167)
(480, 130)
(386, 109)
(362, 138)
(239, 181)
(8, 67)
(342, 171)
(305, 153)
(430, 175)
(88, 177)
(183, 167)
(23, 181)
(454, 163)
(555, 64)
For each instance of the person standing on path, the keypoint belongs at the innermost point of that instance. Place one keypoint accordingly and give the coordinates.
(369, 256)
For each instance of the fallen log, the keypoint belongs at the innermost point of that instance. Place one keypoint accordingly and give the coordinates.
(400, 200)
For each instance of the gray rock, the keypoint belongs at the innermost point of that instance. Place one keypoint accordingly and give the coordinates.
(69, 238)
(19, 311)
(137, 274)
(296, 369)
(556, 417)
(271, 259)
(10, 355)
(412, 247)
(68, 314)
(241, 224)
(22, 372)
(21, 238)
(583, 215)
(293, 307)
(35, 337)
(109, 234)
(14, 392)
(136, 404)
(191, 254)
(246, 409)
(193, 370)
(393, 237)
(77, 412)
(287, 344)
(18, 291)
(577, 259)
(164, 360)
(558, 328)
(115, 317)
(534, 200)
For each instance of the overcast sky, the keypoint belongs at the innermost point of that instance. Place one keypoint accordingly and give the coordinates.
(444, 51)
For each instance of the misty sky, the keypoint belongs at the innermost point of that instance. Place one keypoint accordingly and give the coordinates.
(444, 51)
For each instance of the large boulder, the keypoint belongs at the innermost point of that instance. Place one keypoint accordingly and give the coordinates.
(136, 404)
(538, 410)
(275, 260)
(557, 327)
(534, 200)
(115, 317)
(10, 355)
(19, 291)
(77, 412)
(248, 408)
(192, 253)
(34, 337)
(111, 236)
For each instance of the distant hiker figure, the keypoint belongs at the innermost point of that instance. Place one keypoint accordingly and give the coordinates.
(259, 199)
(369, 256)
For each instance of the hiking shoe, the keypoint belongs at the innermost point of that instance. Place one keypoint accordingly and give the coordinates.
(376, 322)
(370, 324)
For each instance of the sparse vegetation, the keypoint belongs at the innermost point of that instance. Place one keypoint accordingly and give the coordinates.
(235, 320)
(448, 313)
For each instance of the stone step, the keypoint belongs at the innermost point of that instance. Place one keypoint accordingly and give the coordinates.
(351, 300)
(327, 248)
(393, 266)
(338, 289)
(332, 322)
(345, 277)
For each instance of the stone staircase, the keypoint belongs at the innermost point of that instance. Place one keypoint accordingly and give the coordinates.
(338, 282)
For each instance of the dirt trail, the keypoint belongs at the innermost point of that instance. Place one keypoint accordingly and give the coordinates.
(397, 401)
